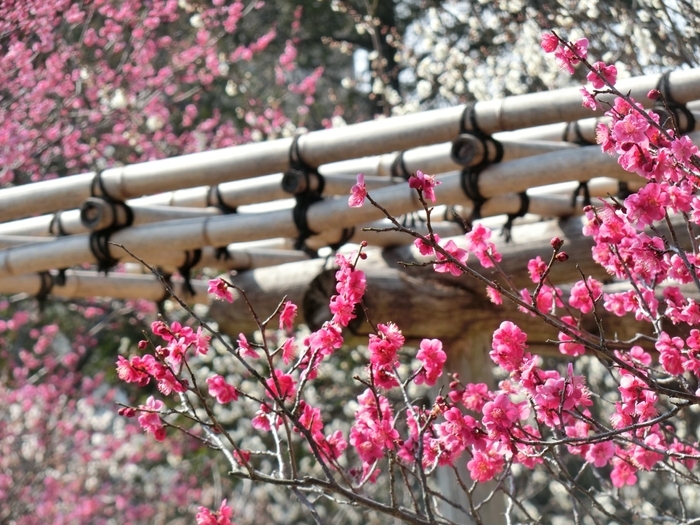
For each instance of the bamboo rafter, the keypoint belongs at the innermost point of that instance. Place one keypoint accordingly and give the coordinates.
(201, 190)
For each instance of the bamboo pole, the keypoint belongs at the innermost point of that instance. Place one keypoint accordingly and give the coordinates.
(465, 150)
(566, 131)
(240, 259)
(82, 284)
(194, 202)
(554, 205)
(468, 150)
(565, 104)
(154, 241)
(8, 241)
(232, 194)
(266, 188)
(75, 250)
(234, 258)
(67, 222)
(323, 146)
(98, 214)
(544, 205)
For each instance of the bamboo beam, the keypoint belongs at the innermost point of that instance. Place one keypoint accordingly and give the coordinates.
(465, 150)
(468, 150)
(165, 244)
(98, 214)
(564, 105)
(154, 241)
(322, 147)
(83, 284)
(191, 203)
(240, 259)
(66, 222)
(8, 241)
(232, 194)
(233, 258)
(339, 178)
(566, 131)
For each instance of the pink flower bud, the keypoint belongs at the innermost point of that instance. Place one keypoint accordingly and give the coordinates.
(653, 94)
(143, 345)
(562, 257)
(127, 412)
(556, 243)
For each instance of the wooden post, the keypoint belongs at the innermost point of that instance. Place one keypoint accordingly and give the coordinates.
(468, 357)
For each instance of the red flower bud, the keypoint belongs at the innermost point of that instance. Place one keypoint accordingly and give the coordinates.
(143, 345)
(653, 94)
(127, 412)
(562, 257)
(556, 243)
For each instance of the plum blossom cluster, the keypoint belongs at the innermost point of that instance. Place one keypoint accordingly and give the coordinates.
(63, 451)
(535, 417)
(536, 407)
(106, 82)
(627, 243)
(220, 517)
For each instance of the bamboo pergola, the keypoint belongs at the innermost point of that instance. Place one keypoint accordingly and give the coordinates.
(270, 214)
(272, 206)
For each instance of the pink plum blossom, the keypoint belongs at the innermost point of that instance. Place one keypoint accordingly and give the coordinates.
(607, 72)
(222, 517)
(222, 391)
(149, 419)
(508, 346)
(623, 473)
(424, 183)
(600, 453)
(433, 358)
(484, 466)
(549, 42)
(287, 315)
(456, 252)
(358, 192)
(220, 289)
